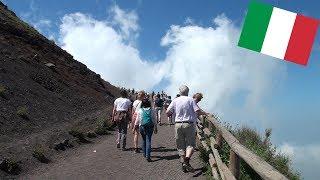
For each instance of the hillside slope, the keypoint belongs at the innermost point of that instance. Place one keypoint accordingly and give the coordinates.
(43, 91)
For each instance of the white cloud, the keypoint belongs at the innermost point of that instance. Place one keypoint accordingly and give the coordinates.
(286, 149)
(43, 25)
(188, 21)
(306, 158)
(103, 49)
(204, 58)
(127, 21)
(208, 60)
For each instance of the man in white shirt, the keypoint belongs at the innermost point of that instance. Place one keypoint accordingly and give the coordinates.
(185, 110)
(121, 115)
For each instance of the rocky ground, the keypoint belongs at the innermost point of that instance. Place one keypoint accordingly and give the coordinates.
(44, 93)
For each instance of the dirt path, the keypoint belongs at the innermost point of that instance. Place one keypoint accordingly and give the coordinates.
(102, 160)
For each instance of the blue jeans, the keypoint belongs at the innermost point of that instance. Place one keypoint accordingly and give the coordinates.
(146, 133)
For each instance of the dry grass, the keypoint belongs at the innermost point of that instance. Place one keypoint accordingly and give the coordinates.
(2, 91)
(39, 154)
(23, 112)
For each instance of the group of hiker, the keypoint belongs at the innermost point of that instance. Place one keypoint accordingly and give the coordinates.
(144, 115)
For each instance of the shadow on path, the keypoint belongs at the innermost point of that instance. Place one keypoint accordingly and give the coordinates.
(168, 158)
(163, 149)
(201, 171)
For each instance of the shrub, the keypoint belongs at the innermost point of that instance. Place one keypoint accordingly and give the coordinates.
(63, 145)
(2, 91)
(10, 166)
(262, 147)
(91, 135)
(23, 112)
(204, 156)
(38, 153)
(102, 131)
(103, 127)
(79, 135)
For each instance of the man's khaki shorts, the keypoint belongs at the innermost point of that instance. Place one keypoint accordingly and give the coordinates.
(185, 135)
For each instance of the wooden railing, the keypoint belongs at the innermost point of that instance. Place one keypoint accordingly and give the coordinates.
(237, 152)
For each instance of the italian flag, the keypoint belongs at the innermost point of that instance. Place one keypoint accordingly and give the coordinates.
(278, 33)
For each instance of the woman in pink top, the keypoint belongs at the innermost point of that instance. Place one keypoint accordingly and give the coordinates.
(134, 124)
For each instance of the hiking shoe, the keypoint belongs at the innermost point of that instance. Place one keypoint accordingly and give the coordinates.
(184, 167)
(189, 168)
(118, 146)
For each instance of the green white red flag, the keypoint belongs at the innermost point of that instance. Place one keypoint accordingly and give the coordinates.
(278, 33)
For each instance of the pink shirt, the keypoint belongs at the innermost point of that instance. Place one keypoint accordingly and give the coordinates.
(184, 108)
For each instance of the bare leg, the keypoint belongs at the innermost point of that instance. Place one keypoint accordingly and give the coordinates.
(189, 152)
(135, 139)
(159, 116)
(182, 158)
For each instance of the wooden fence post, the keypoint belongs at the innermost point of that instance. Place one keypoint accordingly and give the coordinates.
(219, 138)
(210, 125)
(234, 164)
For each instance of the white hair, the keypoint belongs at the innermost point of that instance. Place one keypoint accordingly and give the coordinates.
(184, 90)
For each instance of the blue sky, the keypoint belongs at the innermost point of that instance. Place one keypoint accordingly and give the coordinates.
(287, 100)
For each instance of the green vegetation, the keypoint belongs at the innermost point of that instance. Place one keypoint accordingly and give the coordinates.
(23, 112)
(38, 153)
(103, 127)
(91, 135)
(2, 91)
(10, 166)
(79, 135)
(204, 156)
(262, 147)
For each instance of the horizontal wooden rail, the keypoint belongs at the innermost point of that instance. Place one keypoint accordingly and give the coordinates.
(237, 152)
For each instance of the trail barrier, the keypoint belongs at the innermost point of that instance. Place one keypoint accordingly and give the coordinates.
(237, 152)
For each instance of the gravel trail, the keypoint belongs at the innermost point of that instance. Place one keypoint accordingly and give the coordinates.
(102, 160)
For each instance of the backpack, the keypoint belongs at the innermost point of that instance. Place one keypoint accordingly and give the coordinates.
(146, 117)
(159, 102)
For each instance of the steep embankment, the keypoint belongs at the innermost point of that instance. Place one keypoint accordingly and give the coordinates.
(44, 92)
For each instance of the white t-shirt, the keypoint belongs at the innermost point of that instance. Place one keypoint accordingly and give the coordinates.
(184, 108)
(122, 104)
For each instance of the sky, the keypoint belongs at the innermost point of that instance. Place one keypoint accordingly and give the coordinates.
(155, 45)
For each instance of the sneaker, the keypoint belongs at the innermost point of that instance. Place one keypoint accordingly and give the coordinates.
(137, 150)
(189, 168)
(184, 167)
(118, 146)
(149, 159)
(124, 149)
